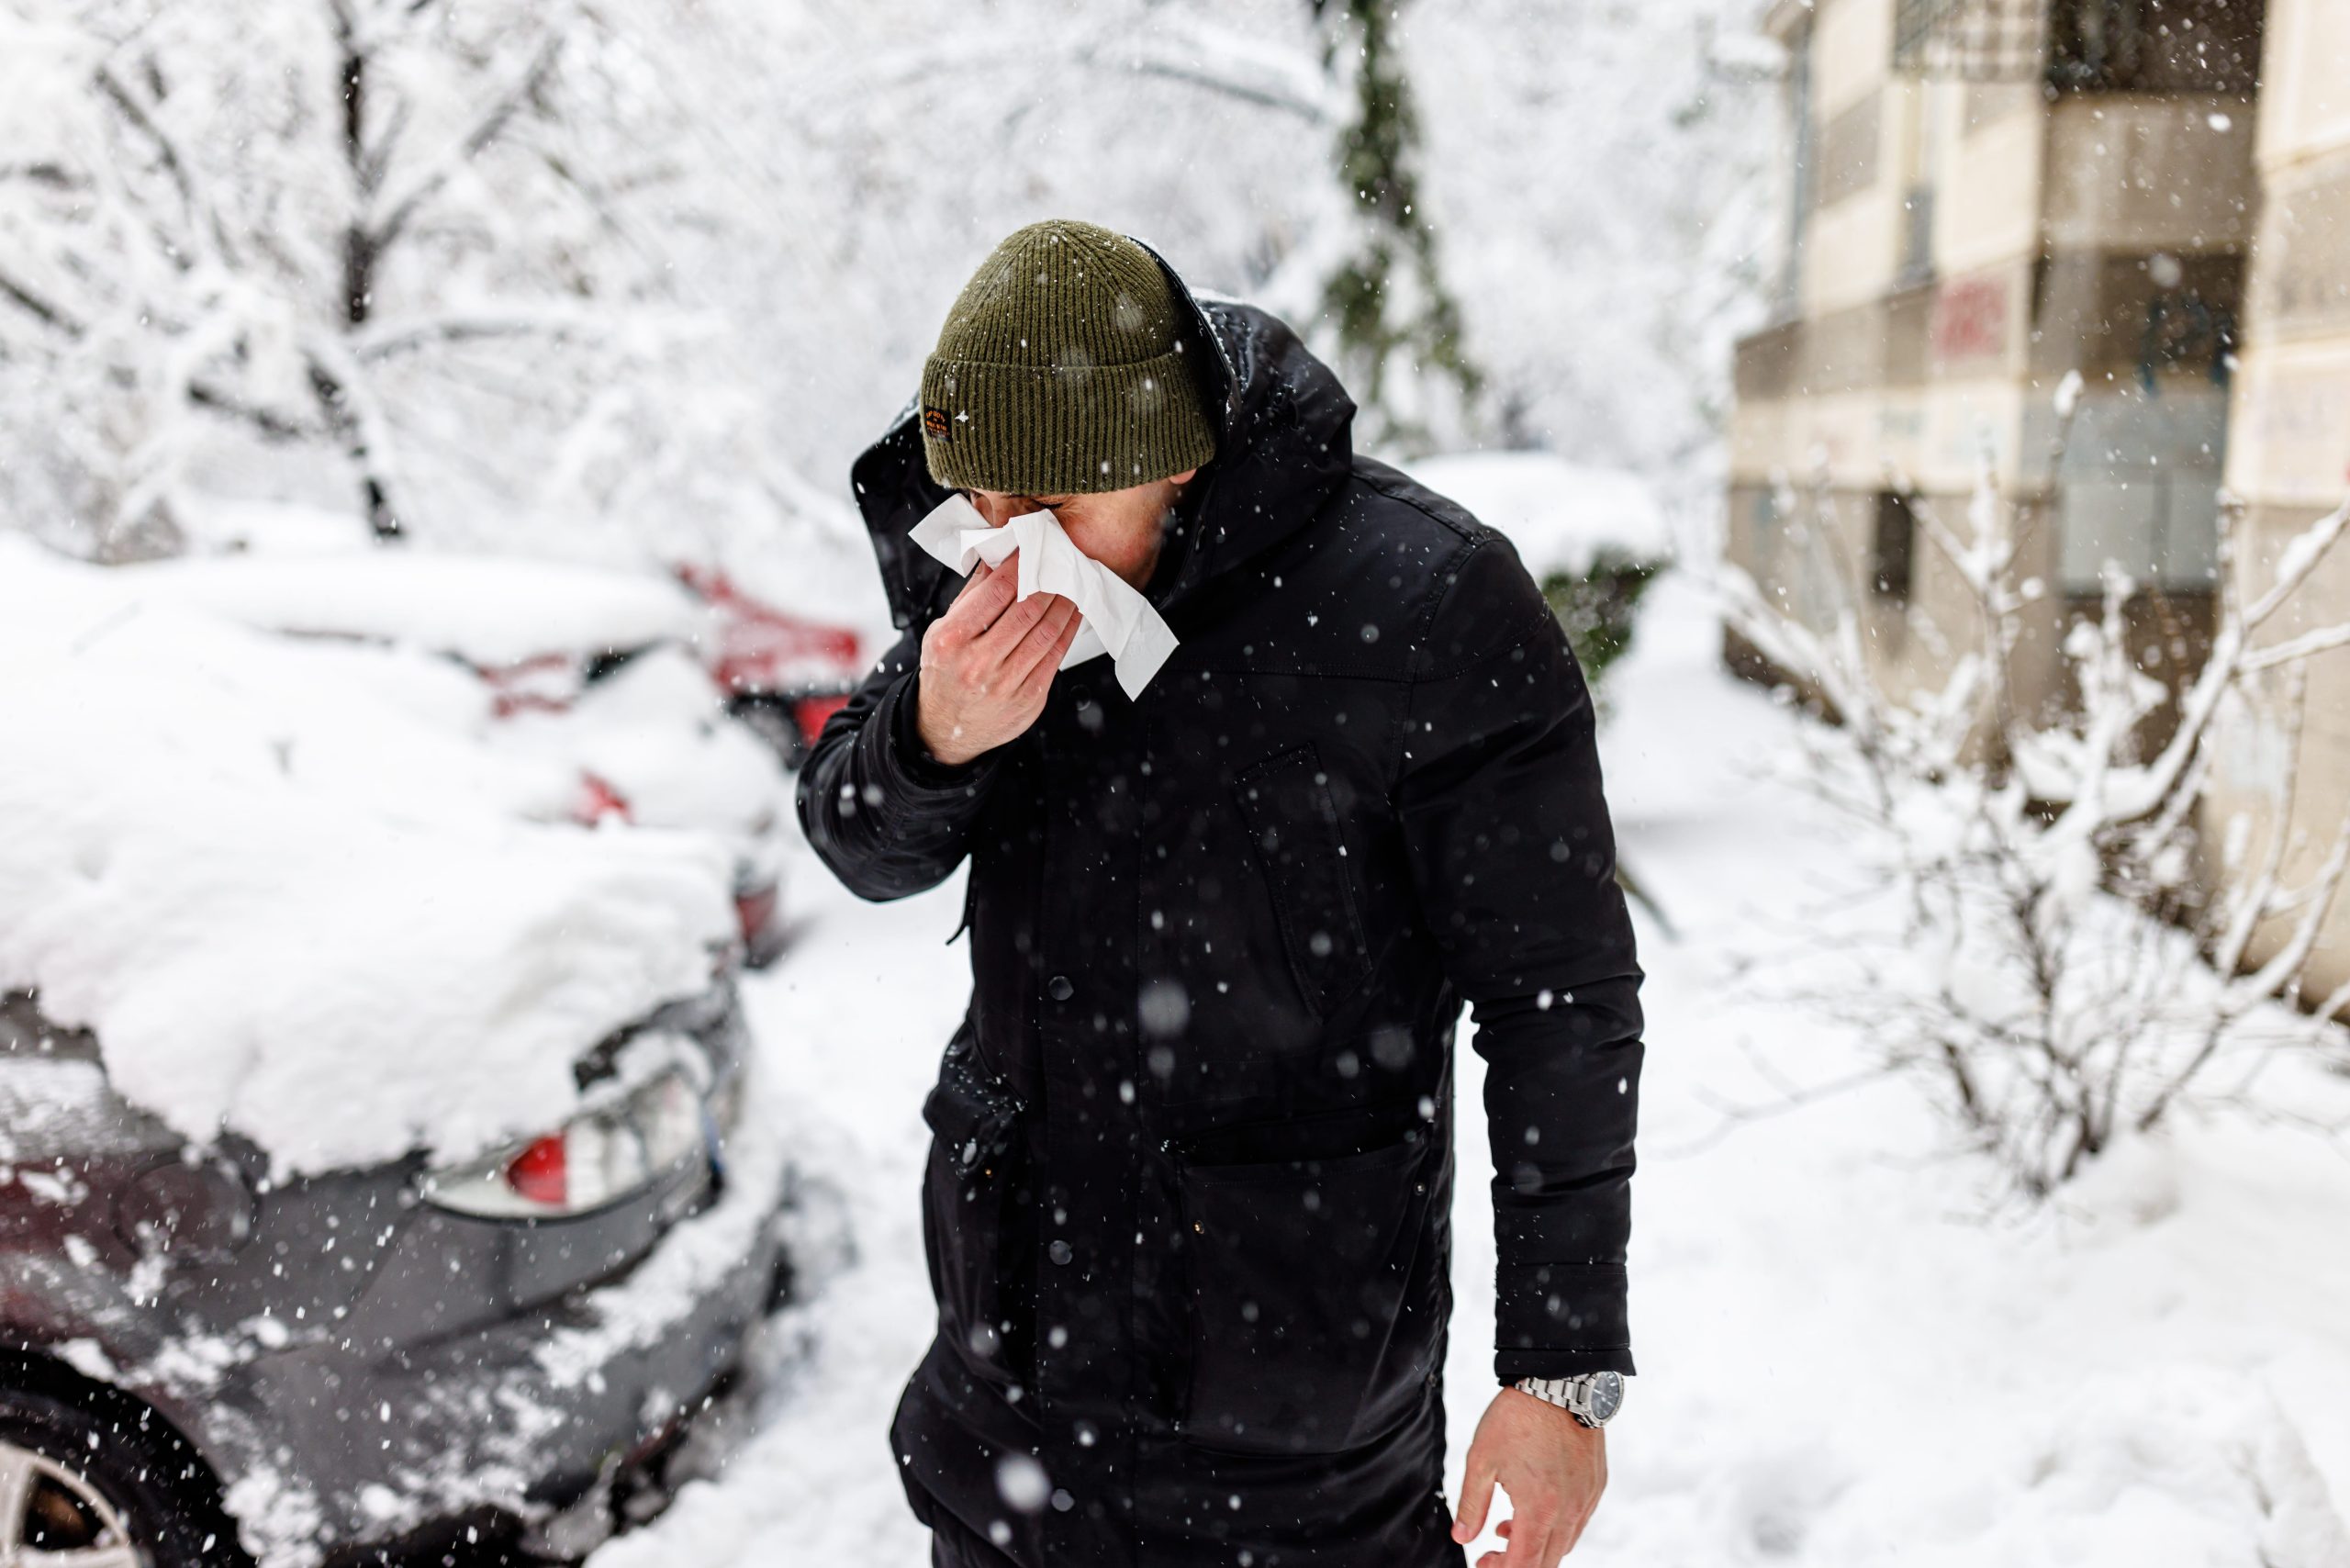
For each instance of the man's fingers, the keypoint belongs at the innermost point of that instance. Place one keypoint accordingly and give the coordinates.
(1476, 1497)
(983, 597)
(1530, 1541)
(1040, 679)
(1570, 1530)
(997, 643)
(1045, 643)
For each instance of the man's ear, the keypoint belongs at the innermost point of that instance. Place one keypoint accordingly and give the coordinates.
(1185, 477)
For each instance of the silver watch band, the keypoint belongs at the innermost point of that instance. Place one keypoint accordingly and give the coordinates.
(1569, 1394)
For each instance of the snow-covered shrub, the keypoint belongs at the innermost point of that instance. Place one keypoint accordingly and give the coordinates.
(1598, 609)
(2074, 963)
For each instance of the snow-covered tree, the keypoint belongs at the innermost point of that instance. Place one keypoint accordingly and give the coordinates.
(286, 220)
(1602, 177)
(634, 261)
(2075, 963)
(1395, 326)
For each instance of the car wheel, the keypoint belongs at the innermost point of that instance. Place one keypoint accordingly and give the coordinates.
(99, 1487)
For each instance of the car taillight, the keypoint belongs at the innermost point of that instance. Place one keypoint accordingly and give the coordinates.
(601, 1158)
(810, 713)
(598, 801)
(538, 1173)
(755, 908)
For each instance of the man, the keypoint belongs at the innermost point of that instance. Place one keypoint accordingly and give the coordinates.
(1188, 1200)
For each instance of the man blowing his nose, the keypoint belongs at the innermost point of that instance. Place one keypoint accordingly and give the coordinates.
(1188, 1198)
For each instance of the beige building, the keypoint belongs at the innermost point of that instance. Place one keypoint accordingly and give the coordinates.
(1982, 196)
(2288, 437)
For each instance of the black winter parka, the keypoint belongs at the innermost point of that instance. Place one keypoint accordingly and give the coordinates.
(1188, 1203)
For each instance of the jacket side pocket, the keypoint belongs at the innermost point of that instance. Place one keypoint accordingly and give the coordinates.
(973, 1178)
(1316, 1314)
(1295, 825)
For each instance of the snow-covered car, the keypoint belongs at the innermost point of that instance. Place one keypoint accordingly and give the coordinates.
(669, 698)
(376, 1164)
(783, 674)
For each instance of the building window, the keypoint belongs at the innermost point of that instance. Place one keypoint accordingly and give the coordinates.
(2138, 490)
(2156, 46)
(1971, 40)
(1893, 554)
(1913, 29)
(1803, 154)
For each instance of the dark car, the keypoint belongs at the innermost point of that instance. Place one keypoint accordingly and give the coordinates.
(395, 1354)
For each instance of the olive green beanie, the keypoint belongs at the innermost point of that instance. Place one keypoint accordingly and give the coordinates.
(1063, 369)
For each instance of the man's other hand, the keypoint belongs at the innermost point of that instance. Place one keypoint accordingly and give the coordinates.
(987, 664)
(1553, 1466)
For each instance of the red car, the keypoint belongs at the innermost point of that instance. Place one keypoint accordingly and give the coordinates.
(782, 674)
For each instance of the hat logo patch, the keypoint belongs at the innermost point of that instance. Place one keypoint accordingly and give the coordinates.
(935, 424)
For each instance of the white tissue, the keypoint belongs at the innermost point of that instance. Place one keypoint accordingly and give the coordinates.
(1117, 619)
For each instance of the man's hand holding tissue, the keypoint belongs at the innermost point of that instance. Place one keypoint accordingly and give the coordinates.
(987, 664)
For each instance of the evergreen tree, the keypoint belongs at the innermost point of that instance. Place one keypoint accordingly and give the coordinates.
(1398, 328)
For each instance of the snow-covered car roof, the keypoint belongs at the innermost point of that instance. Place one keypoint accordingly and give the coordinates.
(489, 610)
(1562, 516)
(300, 907)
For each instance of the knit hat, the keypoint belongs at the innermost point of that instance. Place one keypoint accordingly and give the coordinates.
(1063, 370)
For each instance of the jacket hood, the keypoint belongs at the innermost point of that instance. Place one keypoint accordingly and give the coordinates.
(1284, 442)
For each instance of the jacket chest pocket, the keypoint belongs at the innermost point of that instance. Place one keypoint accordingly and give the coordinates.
(1316, 1311)
(1296, 833)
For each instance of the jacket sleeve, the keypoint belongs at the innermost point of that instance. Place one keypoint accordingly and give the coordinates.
(1515, 865)
(888, 818)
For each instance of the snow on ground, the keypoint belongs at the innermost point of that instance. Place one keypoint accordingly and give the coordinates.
(218, 847)
(1844, 1358)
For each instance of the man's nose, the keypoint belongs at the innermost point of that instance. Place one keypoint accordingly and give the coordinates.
(1000, 508)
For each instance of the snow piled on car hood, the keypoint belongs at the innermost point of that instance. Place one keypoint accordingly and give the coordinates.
(490, 610)
(293, 908)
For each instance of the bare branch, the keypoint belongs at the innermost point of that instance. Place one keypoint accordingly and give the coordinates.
(485, 129)
(39, 305)
(201, 219)
(2300, 558)
(2294, 650)
(265, 421)
(390, 340)
(1267, 94)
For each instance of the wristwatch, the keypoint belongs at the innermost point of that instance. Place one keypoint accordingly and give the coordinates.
(1592, 1398)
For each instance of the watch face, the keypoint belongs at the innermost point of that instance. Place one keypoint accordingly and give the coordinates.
(1606, 1394)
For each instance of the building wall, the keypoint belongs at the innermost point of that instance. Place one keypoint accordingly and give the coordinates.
(2138, 173)
(2289, 454)
(1904, 363)
(1968, 246)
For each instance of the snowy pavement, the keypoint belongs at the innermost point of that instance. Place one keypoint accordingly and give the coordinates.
(1846, 1356)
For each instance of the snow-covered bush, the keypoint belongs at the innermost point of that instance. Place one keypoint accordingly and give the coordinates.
(2074, 964)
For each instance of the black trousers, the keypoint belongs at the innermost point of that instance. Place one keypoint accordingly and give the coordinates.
(952, 1546)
